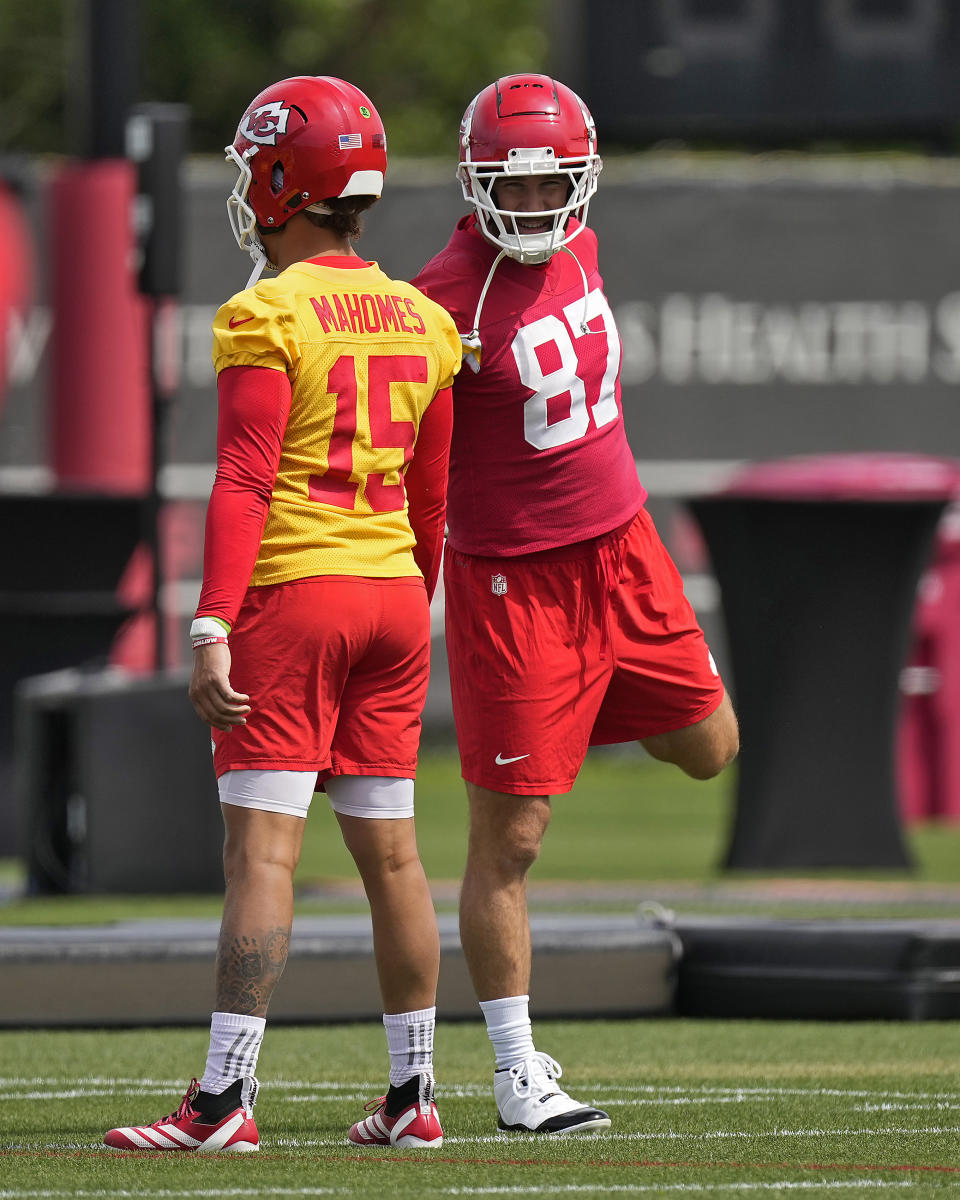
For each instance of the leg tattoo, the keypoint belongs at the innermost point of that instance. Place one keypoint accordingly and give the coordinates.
(248, 969)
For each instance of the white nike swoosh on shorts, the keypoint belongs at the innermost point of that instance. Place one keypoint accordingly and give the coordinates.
(502, 762)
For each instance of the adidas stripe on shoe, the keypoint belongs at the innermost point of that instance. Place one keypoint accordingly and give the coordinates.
(529, 1100)
(406, 1116)
(189, 1129)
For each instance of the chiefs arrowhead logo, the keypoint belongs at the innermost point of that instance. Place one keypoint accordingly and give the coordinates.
(263, 124)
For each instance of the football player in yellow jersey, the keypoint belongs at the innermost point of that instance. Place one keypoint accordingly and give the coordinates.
(323, 541)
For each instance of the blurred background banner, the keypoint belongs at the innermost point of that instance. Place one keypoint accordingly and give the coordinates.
(770, 70)
(767, 307)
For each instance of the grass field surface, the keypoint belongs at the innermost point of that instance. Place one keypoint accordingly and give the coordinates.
(723, 1108)
(632, 829)
(699, 1107)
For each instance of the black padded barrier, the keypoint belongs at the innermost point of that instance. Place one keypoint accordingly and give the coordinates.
(116, 785)
(818, 561)
(826, 969)
(64, 556)
(817, 598)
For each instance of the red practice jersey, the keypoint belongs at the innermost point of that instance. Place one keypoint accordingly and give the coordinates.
(539, 457)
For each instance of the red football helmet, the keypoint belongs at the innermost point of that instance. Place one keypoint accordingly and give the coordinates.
(527, 125)
(300, 142)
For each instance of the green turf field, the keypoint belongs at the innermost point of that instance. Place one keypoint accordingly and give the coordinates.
(632, 829)
(700, 1107)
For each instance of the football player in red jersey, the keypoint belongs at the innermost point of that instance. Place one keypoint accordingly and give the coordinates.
(567, 625)
(311, 641)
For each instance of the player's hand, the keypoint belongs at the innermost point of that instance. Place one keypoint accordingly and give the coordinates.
(210, 692)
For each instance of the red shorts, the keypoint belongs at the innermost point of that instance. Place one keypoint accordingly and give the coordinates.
(552, 653)
(336, 669)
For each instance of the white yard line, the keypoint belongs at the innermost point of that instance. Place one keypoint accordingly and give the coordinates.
(732, 1134)
(701, 1135)
(102, 1193)
(521, 1139)
(51, 1087)
(820, 1185)
(178, 1084)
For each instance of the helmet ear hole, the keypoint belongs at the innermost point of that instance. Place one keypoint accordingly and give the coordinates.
(276, 178)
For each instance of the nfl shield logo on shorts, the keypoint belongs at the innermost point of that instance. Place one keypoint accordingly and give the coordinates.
(498, 585)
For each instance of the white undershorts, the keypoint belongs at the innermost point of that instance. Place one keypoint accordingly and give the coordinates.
(291, 792)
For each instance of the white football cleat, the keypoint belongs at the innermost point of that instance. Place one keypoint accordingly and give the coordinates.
(529, 1100)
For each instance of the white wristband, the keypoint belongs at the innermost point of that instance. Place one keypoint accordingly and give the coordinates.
(206, 629)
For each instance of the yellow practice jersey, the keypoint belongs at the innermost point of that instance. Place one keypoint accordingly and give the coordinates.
(365, 355)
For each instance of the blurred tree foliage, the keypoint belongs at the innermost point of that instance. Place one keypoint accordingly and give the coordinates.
(34, 69)
(419, 60)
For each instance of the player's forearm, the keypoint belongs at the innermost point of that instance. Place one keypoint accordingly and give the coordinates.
(234, 527)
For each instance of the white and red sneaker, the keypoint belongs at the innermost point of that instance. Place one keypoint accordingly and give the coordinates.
(406, 1116)
(192, 1130)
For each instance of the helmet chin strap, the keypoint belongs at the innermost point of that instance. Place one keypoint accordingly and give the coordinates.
(471, 340)
(258, 252)
(584, 327)
(259, 255)
(258, 264)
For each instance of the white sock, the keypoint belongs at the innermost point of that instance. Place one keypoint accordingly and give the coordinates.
(410, 1043)
(508, 1027)
(235, 1042)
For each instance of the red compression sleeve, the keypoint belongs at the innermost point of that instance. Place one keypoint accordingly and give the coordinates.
(426, 483)
(254, 403)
